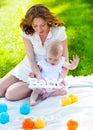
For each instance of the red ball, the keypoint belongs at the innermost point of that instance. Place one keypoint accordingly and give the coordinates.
(27, 123)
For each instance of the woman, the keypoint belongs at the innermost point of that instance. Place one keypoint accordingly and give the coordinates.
(40, 27)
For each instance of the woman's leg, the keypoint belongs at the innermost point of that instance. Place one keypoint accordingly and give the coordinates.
(5, 82)
(12, 88)
(17, 91)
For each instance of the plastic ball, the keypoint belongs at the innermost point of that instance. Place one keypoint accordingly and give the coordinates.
(25, 109)
(39, 123)
(66, 101)
(74, 98)
(72, 124)
(3, 107)
(28, 129)
(27, 124)
(4, 117)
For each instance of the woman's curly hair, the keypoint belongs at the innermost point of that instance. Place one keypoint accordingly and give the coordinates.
(38, 10)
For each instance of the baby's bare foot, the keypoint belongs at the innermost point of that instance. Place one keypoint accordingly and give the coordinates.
(33, 103)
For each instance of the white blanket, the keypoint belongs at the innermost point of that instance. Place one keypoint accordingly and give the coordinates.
(56, 115)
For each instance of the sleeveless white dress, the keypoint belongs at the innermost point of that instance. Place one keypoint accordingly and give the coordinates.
(22, 70)
(51, 72)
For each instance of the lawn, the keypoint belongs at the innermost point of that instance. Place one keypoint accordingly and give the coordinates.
(78, 18)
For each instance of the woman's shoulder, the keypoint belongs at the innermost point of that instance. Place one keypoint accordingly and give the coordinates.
(25, 35)
(58, 28)
(30, 37)
(59, 32)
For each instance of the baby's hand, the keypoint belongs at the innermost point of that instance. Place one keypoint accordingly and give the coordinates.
(62, 82)
(75, 61)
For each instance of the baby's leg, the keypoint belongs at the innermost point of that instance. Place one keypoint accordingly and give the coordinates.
(59, 92)
(45, 95)
(34, 97)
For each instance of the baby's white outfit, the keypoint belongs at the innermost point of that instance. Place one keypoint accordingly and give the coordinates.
(22, 70)
(51, 72)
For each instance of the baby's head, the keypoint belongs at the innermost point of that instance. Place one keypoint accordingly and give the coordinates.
(54, 52)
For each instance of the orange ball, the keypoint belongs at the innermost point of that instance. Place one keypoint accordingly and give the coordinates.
(27, 123)
(72, 125)
(28, 129)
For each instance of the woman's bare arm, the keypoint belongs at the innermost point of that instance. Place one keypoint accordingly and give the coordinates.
(31, 57)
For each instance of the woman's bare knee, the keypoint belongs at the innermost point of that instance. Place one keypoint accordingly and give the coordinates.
(17, 91)
(5, 82)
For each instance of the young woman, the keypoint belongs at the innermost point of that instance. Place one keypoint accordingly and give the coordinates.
(39, 27)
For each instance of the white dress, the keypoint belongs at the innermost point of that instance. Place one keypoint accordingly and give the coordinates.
(22, 70)
(51, 72)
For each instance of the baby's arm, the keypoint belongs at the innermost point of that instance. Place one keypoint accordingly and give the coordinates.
(74, 63)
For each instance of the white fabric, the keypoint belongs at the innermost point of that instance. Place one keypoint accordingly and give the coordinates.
(56, 115)
(55, 33)
(21, 71)
(49, 71)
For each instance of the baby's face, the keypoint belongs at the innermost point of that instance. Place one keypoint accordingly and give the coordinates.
(53, 60)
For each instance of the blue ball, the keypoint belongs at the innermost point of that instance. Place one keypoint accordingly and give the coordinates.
(25, 109)
(4, 117)
(3, 107)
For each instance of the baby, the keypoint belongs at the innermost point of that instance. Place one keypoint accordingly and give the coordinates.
(51, 69)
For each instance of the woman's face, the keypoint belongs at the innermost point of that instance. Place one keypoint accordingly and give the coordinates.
(40, 26)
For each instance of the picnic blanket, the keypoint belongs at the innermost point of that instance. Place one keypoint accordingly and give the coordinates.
(52, 111)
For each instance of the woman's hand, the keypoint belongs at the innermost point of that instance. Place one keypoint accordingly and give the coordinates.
(32, 75)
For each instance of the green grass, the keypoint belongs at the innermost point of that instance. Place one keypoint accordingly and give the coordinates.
(78, 18)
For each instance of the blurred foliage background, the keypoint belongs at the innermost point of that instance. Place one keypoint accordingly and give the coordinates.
(78, 18)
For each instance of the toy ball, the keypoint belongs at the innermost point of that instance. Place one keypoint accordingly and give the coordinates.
(4, 117)
(66, 101)
(25, 109)
(72, 125)
(74, 98)
(39, 123)
(3, 107)
(28, 129)
(27, 124)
